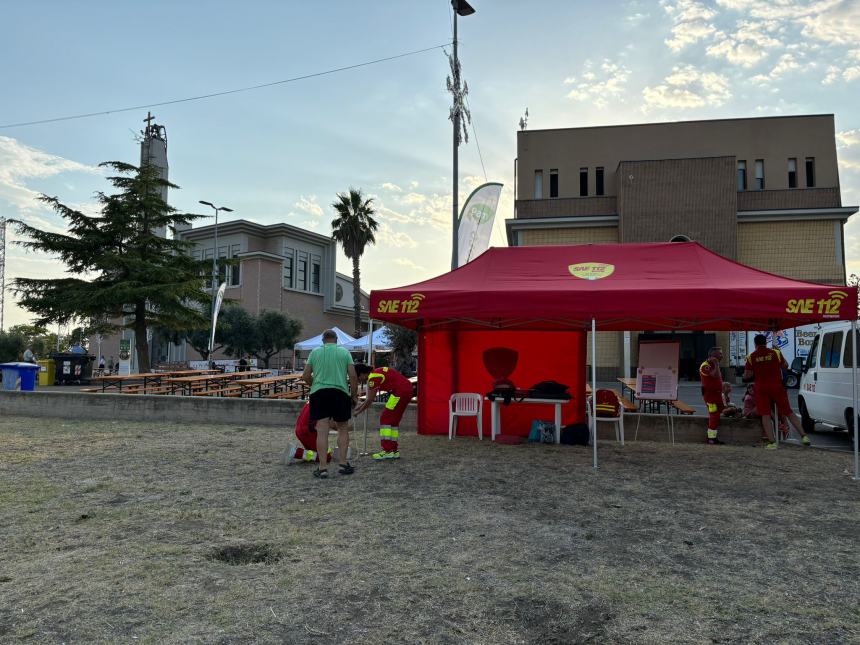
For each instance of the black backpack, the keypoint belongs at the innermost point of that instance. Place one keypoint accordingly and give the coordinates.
(577, 434)
(550, 390)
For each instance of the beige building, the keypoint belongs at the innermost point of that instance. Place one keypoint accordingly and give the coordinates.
(281, 268)
(762, 191)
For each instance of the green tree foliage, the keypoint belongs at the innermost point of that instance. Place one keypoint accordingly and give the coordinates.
(274, 332)
(237, 331)
(119, 270)
(12, 346)
(403, 343)
(354, 229)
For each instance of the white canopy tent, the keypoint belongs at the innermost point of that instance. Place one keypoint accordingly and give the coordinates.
(381, 342)
(312, 343)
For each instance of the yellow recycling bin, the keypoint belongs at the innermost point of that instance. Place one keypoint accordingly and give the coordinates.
(47, 372)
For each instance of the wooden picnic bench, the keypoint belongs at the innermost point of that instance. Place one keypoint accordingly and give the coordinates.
(682, 407)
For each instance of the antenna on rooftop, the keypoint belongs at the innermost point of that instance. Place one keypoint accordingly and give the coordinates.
(524, 120)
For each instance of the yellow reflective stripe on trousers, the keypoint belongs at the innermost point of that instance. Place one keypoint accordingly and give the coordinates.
(389, 433)
(712, 407)
(712, 434)
(392, 402)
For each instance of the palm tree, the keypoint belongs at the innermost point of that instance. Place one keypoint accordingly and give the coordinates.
(354, 227)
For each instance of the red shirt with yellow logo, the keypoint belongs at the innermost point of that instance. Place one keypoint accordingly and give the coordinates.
(767, 365)
(385, 379)
(712, 379)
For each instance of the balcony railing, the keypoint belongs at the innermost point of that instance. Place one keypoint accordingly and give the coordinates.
(761, 200)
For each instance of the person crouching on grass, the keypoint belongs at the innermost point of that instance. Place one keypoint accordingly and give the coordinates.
(306, 433)
(386, 379)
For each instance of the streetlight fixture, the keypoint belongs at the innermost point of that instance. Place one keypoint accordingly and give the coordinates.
(461, 8)
(217, 209)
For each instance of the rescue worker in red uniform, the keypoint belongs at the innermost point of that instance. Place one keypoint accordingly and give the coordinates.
(386, 379)
(765, 365)
(306, 433)
(712, 391)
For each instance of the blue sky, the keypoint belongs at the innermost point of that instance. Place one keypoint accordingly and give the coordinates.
(281, 153)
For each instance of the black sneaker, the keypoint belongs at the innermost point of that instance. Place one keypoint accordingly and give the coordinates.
(346, 469)
(321, 474)
(715, 442)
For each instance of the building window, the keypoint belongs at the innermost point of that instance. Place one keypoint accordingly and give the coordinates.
(235, 270)
(289, 266)
(583, 182)
(759, 174)
(598, 177)
(553, 182)
(792, 173)
(316, 263)
(302, 271)
(810, 172)
(338, 292)
(742, 175)
(538, 184)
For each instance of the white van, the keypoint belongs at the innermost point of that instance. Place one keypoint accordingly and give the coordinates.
(825, 383)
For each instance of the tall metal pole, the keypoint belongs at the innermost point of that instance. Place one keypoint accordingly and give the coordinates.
(854, 399)
(2, 269)
(454, 212)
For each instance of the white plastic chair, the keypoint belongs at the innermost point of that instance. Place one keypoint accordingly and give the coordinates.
(465, 404)
(618, 421)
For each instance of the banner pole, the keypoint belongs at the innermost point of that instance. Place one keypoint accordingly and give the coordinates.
(854, 397)
(365, 453)
(594, 390)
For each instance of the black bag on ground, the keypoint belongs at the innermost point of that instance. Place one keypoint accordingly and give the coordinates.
(575, 435)
(550, 390)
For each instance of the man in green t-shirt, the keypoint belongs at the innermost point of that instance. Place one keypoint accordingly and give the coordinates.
(332, 397)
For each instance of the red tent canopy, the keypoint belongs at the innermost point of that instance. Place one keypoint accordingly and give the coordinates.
(623, 286)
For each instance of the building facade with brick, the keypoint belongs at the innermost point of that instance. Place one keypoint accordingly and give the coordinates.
(761, 191)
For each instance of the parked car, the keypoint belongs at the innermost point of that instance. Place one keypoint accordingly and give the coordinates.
(791, 378)
(826, 377)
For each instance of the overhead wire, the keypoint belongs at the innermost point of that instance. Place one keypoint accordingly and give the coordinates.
(224, 92)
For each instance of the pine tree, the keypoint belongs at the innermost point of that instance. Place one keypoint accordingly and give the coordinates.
(120, 274)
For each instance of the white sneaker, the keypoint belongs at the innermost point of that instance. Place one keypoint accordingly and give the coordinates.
(290, 454)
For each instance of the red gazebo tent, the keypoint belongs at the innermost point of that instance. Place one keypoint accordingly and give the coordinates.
(530, 298)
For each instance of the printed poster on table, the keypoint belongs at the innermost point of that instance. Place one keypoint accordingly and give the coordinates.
(657, 374)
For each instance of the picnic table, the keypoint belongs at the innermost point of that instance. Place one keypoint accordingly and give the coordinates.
(267, 383)
(629, 384)
(117, 381)
(206, 381)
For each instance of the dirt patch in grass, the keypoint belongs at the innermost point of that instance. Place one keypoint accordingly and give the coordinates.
(110, 532)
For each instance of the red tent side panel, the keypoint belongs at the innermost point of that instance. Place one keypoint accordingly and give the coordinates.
(452, 361)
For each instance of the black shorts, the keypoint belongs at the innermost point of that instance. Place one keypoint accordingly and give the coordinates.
(331, 403)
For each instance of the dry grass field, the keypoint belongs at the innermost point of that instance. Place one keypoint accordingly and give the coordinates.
(131, 532)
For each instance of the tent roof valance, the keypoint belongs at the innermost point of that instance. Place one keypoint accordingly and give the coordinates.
(656, 286)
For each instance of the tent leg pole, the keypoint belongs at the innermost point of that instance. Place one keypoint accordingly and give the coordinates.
(364, 453)
(854, 397)
(594, 391)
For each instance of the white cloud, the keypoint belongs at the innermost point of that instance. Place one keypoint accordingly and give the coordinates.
(690, 22)
(599, 91)
(688, 87)
(309, 205)
(398, 239)
(749, 43)
(835, 73)
(786, 63)
(409, 264)
(312, 224)
(848, 138)
(394, 188)
(413, 185)
(19, 163)
(413, 198)
(836, 22)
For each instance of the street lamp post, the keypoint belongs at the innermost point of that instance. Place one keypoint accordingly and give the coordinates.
(461, 8)
(217, 209)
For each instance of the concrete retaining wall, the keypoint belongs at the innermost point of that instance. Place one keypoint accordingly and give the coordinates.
(282, 413)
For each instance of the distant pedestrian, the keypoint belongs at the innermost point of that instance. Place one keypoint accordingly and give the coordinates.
(243, 364)
(334, 391)
(101, 365)
(766, 365)
(110, 364)
(729, 408)
(712, 391)
(29, 357)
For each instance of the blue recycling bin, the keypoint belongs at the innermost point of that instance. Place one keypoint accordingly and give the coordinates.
(27, 372)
